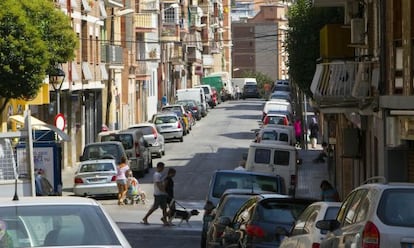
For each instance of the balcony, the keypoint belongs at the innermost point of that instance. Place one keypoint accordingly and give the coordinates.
(194, 55)
(170, 32)
(146, 21)
(345, 84)
(142, 69)
(112, 55)
(149, 5)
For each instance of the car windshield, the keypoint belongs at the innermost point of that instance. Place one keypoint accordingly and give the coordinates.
(56, 225)
(97, 167)
(226, 181)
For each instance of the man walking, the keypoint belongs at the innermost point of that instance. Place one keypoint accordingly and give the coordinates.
(160, 196)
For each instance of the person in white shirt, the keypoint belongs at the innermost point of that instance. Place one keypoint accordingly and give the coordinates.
(160, 196)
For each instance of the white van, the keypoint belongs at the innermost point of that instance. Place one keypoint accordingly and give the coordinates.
(208, 92)
(196, 94)
(277, 159)
(243, 81)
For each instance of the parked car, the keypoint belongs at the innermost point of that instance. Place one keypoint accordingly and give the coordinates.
(104, 150)
(95, 178)
(250, 91)
(196, 94)
(276, 159)
(376, 215)
(275, 117)
(263, 220)
(230, 202)
(155, 140)
(221, 180)
(281, 95)
(181, 113)
(136, 148)
(208, 93)
(305, 233)
(63, 222)
(193, 107)
(276, 134)
(280, 106)
(169, 125)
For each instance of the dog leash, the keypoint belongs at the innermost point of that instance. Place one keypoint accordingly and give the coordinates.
(174, 201)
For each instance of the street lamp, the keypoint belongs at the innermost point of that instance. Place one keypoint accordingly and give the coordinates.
(56, 77)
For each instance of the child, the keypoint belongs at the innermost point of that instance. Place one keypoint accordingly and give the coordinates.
(134, 193)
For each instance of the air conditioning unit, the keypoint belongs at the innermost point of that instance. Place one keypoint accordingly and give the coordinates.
(357, 31)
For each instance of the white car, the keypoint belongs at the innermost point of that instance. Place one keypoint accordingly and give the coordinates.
(375, 215)
(95, 177)
(155, 140)
(305, 233)
(57, 221)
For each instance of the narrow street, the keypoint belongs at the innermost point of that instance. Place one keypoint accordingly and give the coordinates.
(216, 142)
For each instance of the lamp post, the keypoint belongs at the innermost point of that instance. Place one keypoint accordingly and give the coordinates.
(56, 77)
(163, 59)
(114, 14)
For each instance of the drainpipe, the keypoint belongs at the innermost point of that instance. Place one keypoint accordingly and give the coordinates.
(382, 33)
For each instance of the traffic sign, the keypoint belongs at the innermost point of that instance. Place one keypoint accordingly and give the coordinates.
(60, 121)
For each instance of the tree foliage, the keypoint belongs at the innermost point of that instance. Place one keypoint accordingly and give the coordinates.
(302, 39)
(34, 36)
(261, 78)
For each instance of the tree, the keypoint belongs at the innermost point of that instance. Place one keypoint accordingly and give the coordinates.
(35, 36)
(302, 40)
(261, 79)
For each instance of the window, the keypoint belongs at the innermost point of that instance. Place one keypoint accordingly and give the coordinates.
(346, 214)
(299, 227)
(262, 156)
(281, 157)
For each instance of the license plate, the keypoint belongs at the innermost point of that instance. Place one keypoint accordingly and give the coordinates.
(406, 245)
(95, 180)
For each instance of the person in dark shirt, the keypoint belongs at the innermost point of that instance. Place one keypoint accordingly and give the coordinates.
(169, 188)
(328, 192)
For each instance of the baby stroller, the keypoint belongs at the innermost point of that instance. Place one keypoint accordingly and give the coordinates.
(134, 196)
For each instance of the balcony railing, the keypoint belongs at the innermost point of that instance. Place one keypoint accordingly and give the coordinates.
(194, 55)
(146, 21)
(149, 5)
(346, 81)
(112, 55)
(170, 32)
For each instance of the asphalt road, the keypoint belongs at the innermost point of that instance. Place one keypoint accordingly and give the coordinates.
(216, 142)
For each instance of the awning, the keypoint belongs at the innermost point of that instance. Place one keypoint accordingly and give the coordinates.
(40, 125)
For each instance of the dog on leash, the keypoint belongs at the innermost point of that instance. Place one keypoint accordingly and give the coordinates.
(183, 215)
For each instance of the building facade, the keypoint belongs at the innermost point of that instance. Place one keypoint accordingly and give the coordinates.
(366, 102)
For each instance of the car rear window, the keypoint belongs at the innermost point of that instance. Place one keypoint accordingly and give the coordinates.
(396, 207)
(144, 129)
(165, 119)
(96, 167)
(280, 212)
(226, 181)
(232, 204)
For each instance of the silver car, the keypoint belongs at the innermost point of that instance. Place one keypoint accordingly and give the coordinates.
(153, 137)
(169, 125)
(373, 215)
(59, 222)
(95, 177)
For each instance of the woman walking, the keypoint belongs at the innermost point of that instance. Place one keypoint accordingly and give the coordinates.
(121, 180)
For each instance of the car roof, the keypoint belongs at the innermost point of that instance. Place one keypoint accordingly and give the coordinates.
(243, 192)
(271, 145)
(244, 172)
(93, 161)
(387, 185)
(104, 142)
(47, 200)
(130, 131)
(286, 197)
(167, 113)
(146, 124)
(326, 204)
